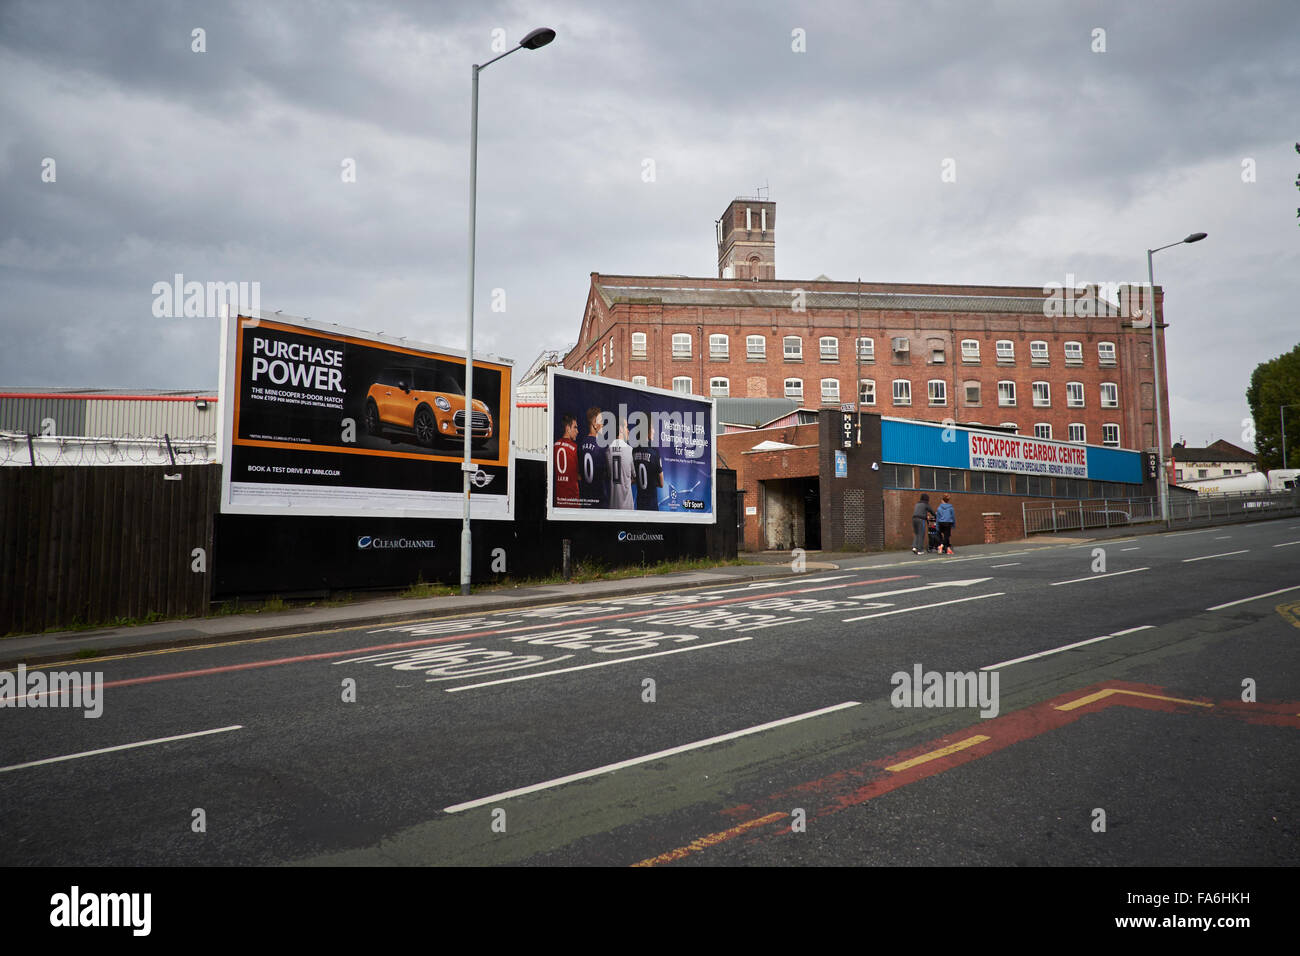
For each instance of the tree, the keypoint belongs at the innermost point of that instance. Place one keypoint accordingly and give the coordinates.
(1273, 384)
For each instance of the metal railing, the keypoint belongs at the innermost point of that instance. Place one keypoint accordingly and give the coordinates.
(1121, 512)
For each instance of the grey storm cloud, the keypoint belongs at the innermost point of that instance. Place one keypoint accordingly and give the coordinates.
(226, 165)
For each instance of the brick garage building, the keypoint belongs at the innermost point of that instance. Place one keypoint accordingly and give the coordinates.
(990, 355)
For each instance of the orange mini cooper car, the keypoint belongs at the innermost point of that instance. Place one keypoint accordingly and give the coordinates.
(426, 403)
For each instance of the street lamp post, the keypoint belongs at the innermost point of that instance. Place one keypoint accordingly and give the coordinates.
(1162, 478)
(537, 38)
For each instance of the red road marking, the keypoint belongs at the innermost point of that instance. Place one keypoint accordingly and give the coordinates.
(842, 790)
(326, 655)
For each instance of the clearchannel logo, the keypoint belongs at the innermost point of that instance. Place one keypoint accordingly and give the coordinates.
(639, 536)
(368, 543)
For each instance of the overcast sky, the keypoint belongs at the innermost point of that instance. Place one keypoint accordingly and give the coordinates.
(229, 165)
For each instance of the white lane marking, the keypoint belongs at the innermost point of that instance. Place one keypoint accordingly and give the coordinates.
(1130, 549)
(1011, 565)
(1286, 544)
(772, 584)
(107, 750)
(924, 607)
(1223, 537)
(658, 755)
(583, 667)
(1176, 534)
(923, 587)
(1220, 607)
(1066, 647)
(1206, 557)
(1098, 577)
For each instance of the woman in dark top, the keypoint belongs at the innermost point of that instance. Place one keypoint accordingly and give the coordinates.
(919, 514)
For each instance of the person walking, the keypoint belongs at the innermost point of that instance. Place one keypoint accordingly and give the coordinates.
(947, 518)
(919, 514)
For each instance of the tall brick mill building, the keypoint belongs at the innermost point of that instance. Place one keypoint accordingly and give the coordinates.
(1004, 357)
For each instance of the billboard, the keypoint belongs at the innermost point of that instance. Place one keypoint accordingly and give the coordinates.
(323, 420)
(621, 452)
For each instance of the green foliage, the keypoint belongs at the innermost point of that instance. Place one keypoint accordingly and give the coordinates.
(1273, 384)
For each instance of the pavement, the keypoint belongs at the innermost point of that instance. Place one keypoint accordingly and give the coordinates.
(64, 645)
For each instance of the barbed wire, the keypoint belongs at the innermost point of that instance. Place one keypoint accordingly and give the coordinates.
(61, 450)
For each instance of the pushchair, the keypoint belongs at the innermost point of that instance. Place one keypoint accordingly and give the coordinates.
(933, 542)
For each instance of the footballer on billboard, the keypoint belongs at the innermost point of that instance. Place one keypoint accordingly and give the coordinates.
(623, 452)
(322, 420)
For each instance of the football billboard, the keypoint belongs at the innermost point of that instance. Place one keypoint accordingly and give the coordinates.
(323, 420)
(631, 453)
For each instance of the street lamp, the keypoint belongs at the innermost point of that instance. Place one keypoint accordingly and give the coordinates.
(537, 38)
(1163, 480)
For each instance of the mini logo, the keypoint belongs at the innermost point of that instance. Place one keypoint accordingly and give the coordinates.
(369, 543)
(481, 479)
(364, 541)
(622, 536)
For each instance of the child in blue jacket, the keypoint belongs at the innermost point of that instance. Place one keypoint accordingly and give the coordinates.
(946, 516)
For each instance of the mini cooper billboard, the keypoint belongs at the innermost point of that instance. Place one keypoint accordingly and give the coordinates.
(323, 420)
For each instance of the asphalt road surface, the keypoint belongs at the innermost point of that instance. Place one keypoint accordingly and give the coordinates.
(1140, 705)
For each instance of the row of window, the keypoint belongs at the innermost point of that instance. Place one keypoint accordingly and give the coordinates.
(829, 349)
(936, 391)
(994, 483)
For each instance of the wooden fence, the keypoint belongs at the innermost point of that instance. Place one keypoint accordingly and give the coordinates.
(91, 545)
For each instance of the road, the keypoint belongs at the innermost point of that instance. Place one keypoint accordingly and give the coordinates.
(753, 725)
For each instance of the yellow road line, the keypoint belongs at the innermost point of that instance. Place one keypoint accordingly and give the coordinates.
(1290, 612)
(1101, 694)
(941, 752)
(705, 842)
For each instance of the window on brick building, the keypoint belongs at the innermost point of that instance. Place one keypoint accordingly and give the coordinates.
(970, 350)
(867, 391)
(681, 345)
(972, 393)
(937, 389)
(682, 383)
(1038, 352)
(794, 388)
(1106, 353)
(1078, 433)
(902, 391)
(1006, 393)
(830, 348)
(602, 355)
(1110, 435)
(719, 388)
(719, 347)
(638, 345)
(1074, 394)
(1073, 353)
(830, 391)
(639, 380)
(1006, 350)
(792, 347)
(936, 352)
(1109, 395)
(1042, 430)
(756, 347)
(867, 349)
(1042, 395)
(901, 346)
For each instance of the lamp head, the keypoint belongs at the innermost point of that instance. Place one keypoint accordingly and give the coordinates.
(537, 38)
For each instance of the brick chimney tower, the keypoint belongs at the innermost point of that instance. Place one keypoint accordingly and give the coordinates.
(746, 236)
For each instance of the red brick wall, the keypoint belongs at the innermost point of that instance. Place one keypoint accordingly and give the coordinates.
(969, 508)
(751, 468)
(1135, 414)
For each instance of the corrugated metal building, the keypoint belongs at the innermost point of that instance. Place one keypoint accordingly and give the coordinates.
(79, 426)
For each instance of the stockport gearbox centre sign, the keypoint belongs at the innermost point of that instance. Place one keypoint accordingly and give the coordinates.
(1027, 456)
(322, 420)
